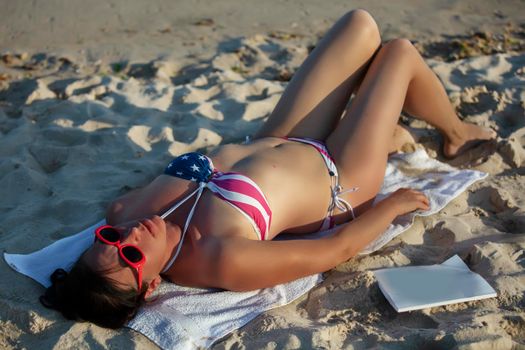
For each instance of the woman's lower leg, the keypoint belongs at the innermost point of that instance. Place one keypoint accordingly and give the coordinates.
(426, 99)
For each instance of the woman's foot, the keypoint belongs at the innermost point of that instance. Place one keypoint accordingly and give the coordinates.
(469, 136)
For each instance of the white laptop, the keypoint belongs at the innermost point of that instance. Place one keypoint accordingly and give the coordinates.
(419, 287)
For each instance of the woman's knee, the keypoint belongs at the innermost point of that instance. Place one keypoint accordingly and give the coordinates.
(361, 23)
(401, 53)
(401, 47)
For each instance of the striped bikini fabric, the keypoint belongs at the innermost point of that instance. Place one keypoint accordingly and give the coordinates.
(236, 189)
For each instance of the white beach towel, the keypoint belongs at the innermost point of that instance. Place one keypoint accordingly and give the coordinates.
(182, 318)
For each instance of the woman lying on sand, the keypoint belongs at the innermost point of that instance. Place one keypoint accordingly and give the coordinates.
(315, 163)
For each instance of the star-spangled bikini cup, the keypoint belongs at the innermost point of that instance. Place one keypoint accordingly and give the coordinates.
(190, 166)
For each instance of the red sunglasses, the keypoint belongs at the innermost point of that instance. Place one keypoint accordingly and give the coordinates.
(130, 253)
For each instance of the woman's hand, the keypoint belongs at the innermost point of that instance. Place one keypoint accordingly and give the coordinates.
(406, 200)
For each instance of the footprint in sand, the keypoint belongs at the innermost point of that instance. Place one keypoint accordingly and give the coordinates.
(50, 158)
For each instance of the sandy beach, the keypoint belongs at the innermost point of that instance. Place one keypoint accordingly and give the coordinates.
(96, 98)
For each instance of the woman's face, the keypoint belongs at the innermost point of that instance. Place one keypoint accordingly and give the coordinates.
(153, 236)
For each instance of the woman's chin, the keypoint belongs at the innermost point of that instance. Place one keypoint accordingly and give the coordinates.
(173, 232)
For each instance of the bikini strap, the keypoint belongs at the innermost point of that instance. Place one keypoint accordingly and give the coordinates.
(178, 204)
(198, 192)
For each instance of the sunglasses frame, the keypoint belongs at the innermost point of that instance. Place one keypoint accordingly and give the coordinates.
(135, 265)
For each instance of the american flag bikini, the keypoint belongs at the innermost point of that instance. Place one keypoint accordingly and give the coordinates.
(336, 188)
(236, 189)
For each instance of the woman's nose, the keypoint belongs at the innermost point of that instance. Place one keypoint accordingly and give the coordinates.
(133, 235)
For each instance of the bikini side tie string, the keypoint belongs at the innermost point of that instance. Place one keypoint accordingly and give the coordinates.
(338, 202)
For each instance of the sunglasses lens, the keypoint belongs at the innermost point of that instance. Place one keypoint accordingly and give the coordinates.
(110, 235)
(132, 254)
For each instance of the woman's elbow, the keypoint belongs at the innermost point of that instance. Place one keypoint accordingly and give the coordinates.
(113, 211)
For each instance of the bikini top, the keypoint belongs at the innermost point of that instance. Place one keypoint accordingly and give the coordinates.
(238, 190)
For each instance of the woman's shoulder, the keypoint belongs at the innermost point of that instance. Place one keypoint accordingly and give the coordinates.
(197, 264)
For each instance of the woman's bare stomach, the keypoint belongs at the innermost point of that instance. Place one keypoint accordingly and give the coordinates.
(292, 175)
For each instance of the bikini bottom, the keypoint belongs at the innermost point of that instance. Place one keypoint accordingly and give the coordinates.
(335, 188)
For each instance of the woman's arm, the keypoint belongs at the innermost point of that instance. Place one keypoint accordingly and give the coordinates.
(241, 264)
(116, 208)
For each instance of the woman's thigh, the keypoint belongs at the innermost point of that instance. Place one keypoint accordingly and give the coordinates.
(315, 98)
(360, 143)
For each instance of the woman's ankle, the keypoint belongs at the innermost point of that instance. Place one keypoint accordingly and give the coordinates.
(456, 134)
(465, 136)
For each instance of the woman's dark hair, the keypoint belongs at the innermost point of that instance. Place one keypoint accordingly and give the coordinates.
(87, 295)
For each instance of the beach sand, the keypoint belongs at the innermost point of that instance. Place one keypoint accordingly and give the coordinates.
(95, 100)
